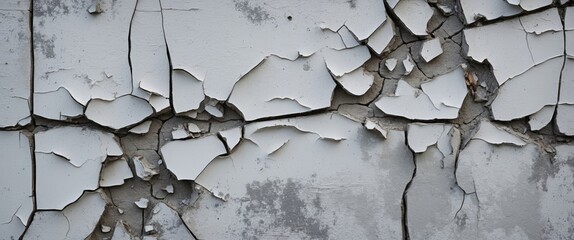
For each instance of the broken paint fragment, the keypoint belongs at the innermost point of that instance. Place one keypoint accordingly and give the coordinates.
(232, 137)
(413, 103)
(391, 63)
(142, 128)
(431, 49)
(382, 37)
(142, 203)
(540, 119)
(120, 113)
(283, 87)
(115, 172)
(448, 89)
(420, 136)
(408, 64)
(357, 82)
(341, 62)
(187, 158)
(78, 144)
(187, 91)
(415, 15)
(492, 134)
(145, 168)
(57, 105)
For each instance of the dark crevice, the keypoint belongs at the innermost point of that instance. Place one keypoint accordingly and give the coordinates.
(404, 197)
(169, 61)
(562, 17)
(31, 138)
(130, 48)
(483, 21)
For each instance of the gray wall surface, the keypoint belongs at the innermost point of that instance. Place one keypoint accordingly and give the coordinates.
(271, 119)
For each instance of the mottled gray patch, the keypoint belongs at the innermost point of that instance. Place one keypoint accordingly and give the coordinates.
(22, 36)
(50, 8)
(255, 14)
(543, 168)
(367, 139)
(352, 3)
(279, 202)
(306, 66)
(461, 220)
(46, 45)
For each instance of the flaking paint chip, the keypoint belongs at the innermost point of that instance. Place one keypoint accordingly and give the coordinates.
(142, 203)
(492, 134)
(177, 158)
(415, 15)
(431, 49)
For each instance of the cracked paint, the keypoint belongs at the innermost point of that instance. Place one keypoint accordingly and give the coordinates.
(252, 119)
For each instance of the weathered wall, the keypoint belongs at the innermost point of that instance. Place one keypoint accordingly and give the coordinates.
(247, 119)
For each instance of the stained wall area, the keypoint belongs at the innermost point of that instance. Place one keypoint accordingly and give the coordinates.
(269, 119)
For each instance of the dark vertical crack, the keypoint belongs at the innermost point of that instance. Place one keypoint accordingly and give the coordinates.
(130, 47)
(562, 16)
(527, 42)
(31, 139)
(168, 59)
(404, 198)
(31, 98)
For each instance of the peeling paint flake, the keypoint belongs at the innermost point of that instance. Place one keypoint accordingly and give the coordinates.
(492, 134)
(415, 15)
(357, 82)
(231, 137)
(340, 62)
(122, 112)
(58, 105)
(283, 87)
(78, 144)
(413, 103)
(421, 136)
(448, 89)
(115, 172)
(382, 37)
(187, 158)
(431, 49)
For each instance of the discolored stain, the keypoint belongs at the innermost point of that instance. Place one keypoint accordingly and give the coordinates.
(306, 66)
(50, 8)
(255, 14)
(281, 199)
(352, 3)
(44, 44)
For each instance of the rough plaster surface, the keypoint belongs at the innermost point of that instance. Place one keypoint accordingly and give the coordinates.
(265, 119)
